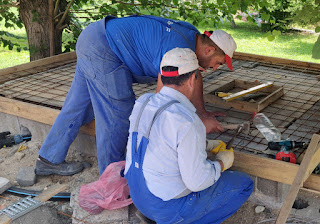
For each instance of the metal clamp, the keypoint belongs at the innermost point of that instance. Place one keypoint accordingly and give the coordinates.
(21, 207)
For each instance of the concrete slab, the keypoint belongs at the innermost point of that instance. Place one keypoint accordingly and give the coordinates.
(4, 184)
(41, 215)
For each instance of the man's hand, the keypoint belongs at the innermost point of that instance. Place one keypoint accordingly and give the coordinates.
(226, 157)
(208, 118)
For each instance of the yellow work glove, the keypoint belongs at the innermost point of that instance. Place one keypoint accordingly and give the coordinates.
(214, 146)
(227, 157)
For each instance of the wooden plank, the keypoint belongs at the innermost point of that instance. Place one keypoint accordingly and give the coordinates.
(247, 91)
(315, 160)
(298, 181)
(275, 60)
(50, 192)
(43, 197)
(270, 99)
(266, 168)
(37, 113)
(39, 63)
(274, 92)
(271, 169)
(240, 105)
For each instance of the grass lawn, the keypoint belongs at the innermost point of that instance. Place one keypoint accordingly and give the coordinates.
(294, 45)
(10, 58)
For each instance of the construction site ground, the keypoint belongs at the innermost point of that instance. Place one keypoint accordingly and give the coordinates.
(296, 114)
(61, 212)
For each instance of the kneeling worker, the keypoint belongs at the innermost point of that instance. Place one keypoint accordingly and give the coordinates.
(169, 176)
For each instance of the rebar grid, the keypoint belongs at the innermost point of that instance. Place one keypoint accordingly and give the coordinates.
(296, 113)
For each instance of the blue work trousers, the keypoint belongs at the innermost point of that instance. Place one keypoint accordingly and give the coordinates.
(101, 90)
(212, 205)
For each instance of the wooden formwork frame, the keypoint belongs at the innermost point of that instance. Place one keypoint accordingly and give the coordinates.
(309, 162)
(254, 165)
(277, 61)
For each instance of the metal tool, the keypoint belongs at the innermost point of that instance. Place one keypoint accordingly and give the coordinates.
(233, 126)
(229, 144)
(218, 145)
(8, 140)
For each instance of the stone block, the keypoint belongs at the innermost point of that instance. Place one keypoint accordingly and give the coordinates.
(272, 189)
(105, 217)
(26, 176)
(4, 184)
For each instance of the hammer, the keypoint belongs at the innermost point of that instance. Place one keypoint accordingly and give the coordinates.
(244, 127)
(229, 126)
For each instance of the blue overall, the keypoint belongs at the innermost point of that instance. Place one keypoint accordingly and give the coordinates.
(94, 95)
(102, 87)
(212, 205)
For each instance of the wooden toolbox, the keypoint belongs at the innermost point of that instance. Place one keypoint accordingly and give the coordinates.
(253, 102)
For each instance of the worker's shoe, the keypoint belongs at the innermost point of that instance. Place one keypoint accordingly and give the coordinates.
(45, 168)
(143, 219)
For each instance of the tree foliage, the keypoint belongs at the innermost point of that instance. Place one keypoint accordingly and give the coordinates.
(78, 13)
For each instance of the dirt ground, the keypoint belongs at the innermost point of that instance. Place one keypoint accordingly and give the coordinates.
(12, 161)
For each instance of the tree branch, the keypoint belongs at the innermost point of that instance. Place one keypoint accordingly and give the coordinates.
(54, 18)
(13, 4)
(65, 14)
(56, 7)
(62, 27)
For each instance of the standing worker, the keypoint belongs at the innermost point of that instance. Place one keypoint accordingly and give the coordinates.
(112, 54)
(168, 173)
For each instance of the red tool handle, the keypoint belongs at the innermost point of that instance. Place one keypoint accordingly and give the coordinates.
(286, 156)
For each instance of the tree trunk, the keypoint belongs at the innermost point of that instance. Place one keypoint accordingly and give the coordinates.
(34, 14)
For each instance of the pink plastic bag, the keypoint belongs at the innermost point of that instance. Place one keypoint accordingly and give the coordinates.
(111, 191)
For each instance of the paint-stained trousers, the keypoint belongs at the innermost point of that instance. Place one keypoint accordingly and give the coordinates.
(101, 90)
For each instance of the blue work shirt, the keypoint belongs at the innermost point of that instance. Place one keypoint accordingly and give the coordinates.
(141, 41)
(175, 163)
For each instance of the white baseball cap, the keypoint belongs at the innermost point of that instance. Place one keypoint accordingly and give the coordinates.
(183, 60)
(226, 43)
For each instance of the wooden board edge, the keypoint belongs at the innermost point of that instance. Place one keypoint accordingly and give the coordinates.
(36, 113)
(275, 60)
(271, 169)
(38, 63)
(50, 192)
(314, 162)
(270, 99)
(240, 105)
(298, 181)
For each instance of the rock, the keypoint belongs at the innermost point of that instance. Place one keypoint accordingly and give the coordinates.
(259, 209)
(19, 155)
(4, 184)
(26, 176)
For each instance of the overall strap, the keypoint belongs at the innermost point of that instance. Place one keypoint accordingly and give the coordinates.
(157, 114)
(138, 151)
(140, 113)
